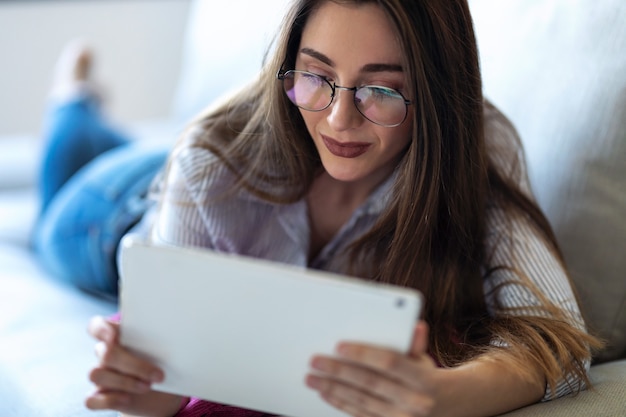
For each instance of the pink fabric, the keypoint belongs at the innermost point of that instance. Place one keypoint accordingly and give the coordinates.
(200, 408)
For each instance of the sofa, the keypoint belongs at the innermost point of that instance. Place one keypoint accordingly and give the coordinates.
(557, 69)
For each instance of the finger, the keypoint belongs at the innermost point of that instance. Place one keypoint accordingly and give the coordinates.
(361, 403)
(103, 329)
(347, 407)
(107, 380)
(419, 346)
(108, 401)
(119, 359)
(384, 360)
(369, 381)
(393, 363)
(362, 378)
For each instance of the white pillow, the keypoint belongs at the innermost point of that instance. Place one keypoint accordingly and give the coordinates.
(558, 70)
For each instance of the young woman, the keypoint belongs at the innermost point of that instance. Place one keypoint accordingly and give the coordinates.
(365, 147)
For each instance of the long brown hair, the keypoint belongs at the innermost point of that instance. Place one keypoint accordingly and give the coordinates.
(432, 235)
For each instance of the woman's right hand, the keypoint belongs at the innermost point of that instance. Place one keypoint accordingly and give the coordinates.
(123, 380)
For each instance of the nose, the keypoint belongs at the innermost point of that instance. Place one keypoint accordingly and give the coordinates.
(343, 113)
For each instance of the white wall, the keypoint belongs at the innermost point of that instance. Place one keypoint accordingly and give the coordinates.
(137, 45)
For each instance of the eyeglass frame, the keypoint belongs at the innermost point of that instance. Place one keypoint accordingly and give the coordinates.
(280, 75)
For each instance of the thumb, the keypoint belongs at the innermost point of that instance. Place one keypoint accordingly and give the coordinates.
(104, 330)
(419, 344)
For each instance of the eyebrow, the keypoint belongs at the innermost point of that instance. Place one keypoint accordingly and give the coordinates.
(366, 68)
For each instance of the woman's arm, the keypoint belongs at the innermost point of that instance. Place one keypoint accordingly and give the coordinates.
(366, 380)
(527, 287)
(488, 386)
(179, 218)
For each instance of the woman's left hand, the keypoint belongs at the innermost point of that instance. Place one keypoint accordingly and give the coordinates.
(364, 380)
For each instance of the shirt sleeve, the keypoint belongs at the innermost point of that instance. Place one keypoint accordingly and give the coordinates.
(516, 249)
(180, 217)
(514, 242)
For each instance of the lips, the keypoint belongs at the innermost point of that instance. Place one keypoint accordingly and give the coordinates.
(345, 149)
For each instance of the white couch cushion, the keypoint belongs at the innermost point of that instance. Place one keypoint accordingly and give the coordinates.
(558, 70)
(19, 161)
(18, 211)
(45, 353)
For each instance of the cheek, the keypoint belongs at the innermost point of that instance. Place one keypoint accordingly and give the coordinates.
(402, 137)
(311, 119)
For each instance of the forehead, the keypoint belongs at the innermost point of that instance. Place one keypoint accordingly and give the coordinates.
(360, 33)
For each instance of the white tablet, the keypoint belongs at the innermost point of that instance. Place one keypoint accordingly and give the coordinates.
(242, 331)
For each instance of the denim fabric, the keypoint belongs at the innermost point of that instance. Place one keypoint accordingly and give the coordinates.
(79, 229)
(75, 133)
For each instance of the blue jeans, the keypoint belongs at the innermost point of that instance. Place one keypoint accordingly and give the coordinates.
(92, 184)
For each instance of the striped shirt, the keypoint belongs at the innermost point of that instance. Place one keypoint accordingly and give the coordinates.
(190, 215)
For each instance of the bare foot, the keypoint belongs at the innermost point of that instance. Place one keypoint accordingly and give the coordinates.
(73, 73)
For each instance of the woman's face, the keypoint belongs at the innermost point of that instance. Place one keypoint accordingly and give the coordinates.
(351, 46)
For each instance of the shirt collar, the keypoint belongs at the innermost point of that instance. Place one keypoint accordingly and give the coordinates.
(373, 205)
(379, 199)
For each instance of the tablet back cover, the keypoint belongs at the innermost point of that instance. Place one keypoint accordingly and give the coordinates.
(242, 331)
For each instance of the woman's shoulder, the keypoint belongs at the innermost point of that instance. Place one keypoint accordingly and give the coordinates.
(197, 168)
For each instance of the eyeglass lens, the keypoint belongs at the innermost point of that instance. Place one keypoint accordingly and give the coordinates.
(380, 105)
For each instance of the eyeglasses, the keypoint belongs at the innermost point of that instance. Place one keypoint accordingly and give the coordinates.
(380, 105)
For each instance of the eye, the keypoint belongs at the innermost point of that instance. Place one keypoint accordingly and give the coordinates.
(323, 74)
(312, 79)
(380, 93)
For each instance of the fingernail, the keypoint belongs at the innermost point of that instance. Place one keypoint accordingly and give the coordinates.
(314, 382)
(143, 387)
(343, 349)
(156, 376)
(320, 364)
(102, 335)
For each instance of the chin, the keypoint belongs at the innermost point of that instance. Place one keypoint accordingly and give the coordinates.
(342, 171)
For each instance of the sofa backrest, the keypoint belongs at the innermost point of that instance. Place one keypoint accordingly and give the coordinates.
(557, 69)
(223, 49)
